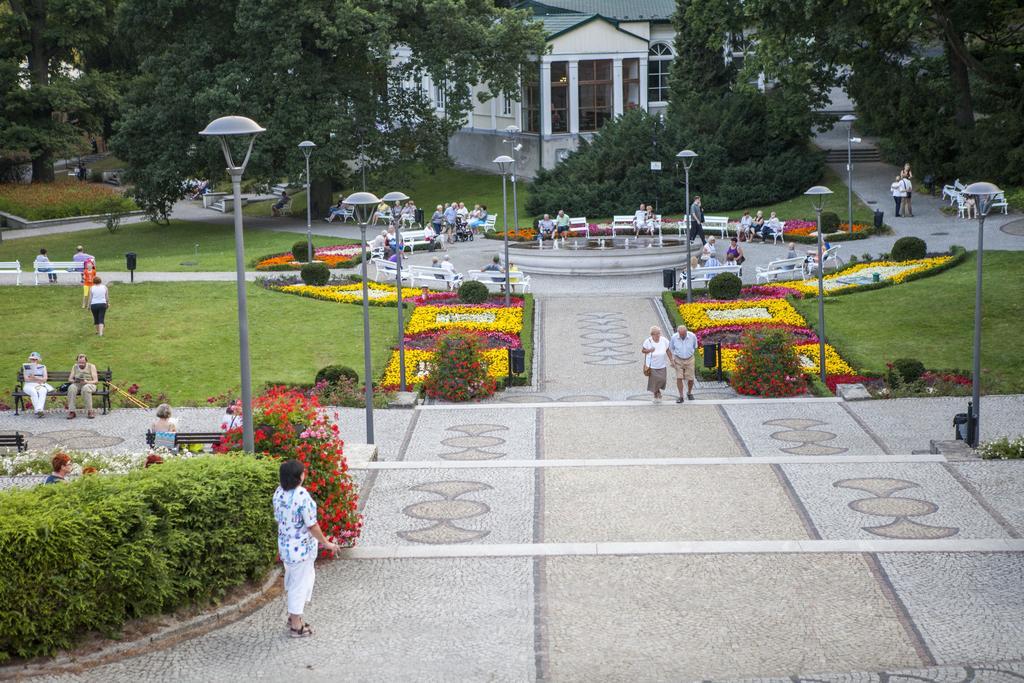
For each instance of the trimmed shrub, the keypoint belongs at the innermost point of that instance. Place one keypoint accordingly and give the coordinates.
(89, 555)
(1002, 449)
(725, 286)
(473, 292)
(829, 222)
(333, 373)
(767, 365)
(905, 370)
(459, 373)
(908, 249)
(316, 274)
(300, 251)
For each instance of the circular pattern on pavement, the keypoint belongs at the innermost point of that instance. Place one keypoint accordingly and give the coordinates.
(1015, 228)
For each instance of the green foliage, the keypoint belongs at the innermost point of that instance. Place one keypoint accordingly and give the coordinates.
(767, 365)
(725, 286)
(459, 373)
(473, 292)
(905, 370)
(1002, 449)
(829, 222)
(89, 555)
(316, 273)
(333, 373)
(909, 248)
(300, 251)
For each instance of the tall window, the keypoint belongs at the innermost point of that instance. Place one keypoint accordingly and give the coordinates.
(630, 83)
(506, 105)
(560, 97)
(658, 60)
(595, 93)
(531, 107)
(439, 96)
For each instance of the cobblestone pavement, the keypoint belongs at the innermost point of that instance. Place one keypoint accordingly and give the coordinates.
(579, 533)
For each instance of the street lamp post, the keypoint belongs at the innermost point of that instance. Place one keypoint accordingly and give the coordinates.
(983, 194)
(687, 157)
(848, 120)
(513, 140)
(399, 197)
(504, 162)
(817, 195)
(223, 129)
(363, 204)
(307, 148)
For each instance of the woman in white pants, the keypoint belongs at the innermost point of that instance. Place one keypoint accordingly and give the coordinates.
(34, 374)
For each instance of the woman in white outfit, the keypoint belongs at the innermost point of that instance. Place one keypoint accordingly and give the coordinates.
(656, 358)
(34, 374)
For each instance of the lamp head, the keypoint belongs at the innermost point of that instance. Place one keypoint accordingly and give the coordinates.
(983, 194)
(363, 204)
(817, 195)
(231, 127)
(307, 147)
(392, 197)
(512, 130)
(849, 118)
(687, 156)
(504, 162)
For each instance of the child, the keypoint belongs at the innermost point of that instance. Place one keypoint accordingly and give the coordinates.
(88, 279)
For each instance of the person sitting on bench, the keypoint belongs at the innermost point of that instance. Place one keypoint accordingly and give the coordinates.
(82, 380)
(281, 203)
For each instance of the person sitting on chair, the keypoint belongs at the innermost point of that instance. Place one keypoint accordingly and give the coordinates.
(282, 202)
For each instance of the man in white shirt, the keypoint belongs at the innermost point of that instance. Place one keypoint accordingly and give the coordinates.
(682, 348)
(449, 267)
(640, 219)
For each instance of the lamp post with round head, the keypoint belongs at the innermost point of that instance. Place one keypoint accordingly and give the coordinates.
(504, 162)
(399, 247)
(687, 157)
(848, 120)
(517, 146)
(983, 194)
(817, 195)
(307, 147)
(224, 129)
(363, 204)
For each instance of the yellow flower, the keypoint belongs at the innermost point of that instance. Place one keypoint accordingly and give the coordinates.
(418, 363)
(888, 271)
(430, 318)
(704, 314)
(351, 294)
(808, 354)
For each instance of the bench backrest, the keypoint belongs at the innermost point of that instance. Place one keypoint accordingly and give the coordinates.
(63, 265)
(414, 235)
(383, 264)
(622, 220)
(14, 439)
(785, 263)
(11, 265)
(716, 221)
(579, 223)
(431, 271)
(515, 277)
(60, 376)
(492, 220)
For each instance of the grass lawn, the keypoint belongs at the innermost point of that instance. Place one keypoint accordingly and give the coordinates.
(182, 338)
(932, 319)
(160, 247)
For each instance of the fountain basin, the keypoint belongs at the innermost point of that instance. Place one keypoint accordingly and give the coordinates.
(591, 259)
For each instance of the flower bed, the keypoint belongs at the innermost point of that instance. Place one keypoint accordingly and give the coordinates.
(377, 294)
(701, 315)
(806, 232)
(43, 201)
(808, 355)
(861, 275)
(418, 363)
(336, 256)
(488, 318)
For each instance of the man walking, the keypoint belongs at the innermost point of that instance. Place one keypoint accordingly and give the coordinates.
(682, 347)
(697, 221)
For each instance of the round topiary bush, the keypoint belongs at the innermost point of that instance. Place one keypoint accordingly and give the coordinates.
(316, 273)
(300, 251)
(908, 249)
(725, 286)
(829, 222)
(459, 372)
(473, 292)
(333, 373)
(907, 370)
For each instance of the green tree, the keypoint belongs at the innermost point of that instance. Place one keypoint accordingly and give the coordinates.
(316, 69)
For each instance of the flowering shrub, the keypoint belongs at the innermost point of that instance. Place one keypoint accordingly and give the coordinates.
(832, 381)
(460, 371)
(289, 424)
(770, 292)
(336, 256)
(41, 201)
(1002, 449)
(766, 365)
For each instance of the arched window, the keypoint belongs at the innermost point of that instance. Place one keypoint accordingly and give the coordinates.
(658, 60)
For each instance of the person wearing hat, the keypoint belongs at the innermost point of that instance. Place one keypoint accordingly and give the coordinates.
(34, 382)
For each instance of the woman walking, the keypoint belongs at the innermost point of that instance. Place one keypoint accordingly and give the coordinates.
(297, 536)
(655, 350)
(99, 302)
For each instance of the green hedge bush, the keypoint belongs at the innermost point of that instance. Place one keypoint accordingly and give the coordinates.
(725, 286)
(89, 555)
(909, 248)
(316, 274)
(332, 374)
(473, 292)
(300, 251)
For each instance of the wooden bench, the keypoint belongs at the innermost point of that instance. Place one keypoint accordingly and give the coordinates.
(428, 274)
(16, 441)
(55, 379)
(788, 267)
(189, 438)
(56, 268)
(579, 224)
(12, 268)
(387, 271)
(705, 273)
(494, 278)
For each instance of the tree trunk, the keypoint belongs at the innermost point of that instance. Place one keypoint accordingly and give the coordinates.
(320, 197)
(39, 70)
(961, 82)
(42, 168)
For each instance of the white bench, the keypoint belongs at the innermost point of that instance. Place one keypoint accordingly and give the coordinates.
(788, 267)
(719, 223)
(490, 223)
(428, 274)
(999, 202)
(705, 273)
(13, 267)
(211, 198)
(830, 254)
(416, 238)
(579, 224)
(57, 267)
(495, 278)
(626, 223)
(388, 271)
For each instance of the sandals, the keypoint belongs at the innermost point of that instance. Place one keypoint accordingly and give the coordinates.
(303, 632)
(71, 415)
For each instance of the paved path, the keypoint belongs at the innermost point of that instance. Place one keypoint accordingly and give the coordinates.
(577, 531)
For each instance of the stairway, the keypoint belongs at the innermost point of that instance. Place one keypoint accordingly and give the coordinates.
(860, 154)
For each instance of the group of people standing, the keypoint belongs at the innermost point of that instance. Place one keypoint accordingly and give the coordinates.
(903, 192)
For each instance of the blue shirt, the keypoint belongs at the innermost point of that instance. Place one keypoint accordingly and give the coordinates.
(449, 215)
(295, 512)
(683, 347)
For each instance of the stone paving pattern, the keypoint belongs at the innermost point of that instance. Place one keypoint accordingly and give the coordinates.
(811, 429)
(474, 434)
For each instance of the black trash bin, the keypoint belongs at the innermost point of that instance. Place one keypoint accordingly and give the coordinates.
(668, 278)
(711, 351)
(517, 361)
(879, 215)
(130, 263)
(961, 423)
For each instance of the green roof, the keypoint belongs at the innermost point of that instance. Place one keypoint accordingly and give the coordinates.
(556, 24)
(620, 10)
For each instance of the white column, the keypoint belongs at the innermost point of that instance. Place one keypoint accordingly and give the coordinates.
(545, 99)
(574, 97)
(643, 83)
(517, 108)
(494, 112)
(617, 86)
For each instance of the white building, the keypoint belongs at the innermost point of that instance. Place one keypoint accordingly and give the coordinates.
(604, 58)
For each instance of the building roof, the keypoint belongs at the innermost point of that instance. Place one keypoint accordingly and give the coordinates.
(557, 24)
(620, 10)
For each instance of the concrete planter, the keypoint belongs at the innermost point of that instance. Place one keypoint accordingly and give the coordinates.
(9, 220)
(591, 261)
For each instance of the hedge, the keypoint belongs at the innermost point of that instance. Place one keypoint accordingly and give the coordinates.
(89, 555)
